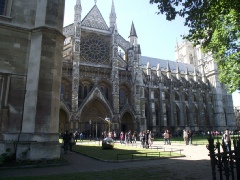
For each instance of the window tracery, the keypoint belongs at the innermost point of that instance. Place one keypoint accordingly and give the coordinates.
(95, 49)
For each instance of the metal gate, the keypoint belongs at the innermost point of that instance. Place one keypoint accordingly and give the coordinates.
(227, 163)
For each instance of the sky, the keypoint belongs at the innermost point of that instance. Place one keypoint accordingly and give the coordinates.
(156, 35)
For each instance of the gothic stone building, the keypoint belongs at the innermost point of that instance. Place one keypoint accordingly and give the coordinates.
(48, 85)
(105, 75)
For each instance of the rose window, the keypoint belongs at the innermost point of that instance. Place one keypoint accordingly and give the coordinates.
(94, 49)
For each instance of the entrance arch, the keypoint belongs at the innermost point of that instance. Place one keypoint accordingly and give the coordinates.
(127, 122)
(92, 121)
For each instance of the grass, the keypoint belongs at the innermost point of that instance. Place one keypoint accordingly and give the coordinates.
(94, 149)
(120, 152)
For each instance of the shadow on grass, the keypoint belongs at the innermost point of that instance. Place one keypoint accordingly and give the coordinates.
(121, 152)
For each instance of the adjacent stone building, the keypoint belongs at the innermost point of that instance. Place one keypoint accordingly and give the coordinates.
(105, 75)
(31, 43)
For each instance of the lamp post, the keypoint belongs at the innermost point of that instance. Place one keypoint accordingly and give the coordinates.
(109, 123)
(107, 119)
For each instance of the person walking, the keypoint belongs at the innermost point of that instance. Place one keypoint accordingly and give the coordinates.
(226, 140)
(169, 137)
(166, 137)
(122, 137)
(66, 139)
(190, 135)
(185, 136)
(147, 139)
(72, 141)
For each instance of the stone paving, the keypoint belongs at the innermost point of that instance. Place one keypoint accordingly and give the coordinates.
(196, 164)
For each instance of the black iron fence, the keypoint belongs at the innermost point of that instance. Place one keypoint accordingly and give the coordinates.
(225, 160)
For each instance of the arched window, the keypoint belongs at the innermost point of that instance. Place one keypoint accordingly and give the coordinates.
(106, 93)
(91, 86)
(85, 91)
(176, 96)
(79, 91)
(122, 97)
(62, 90)
(185, 97)
(194, 98)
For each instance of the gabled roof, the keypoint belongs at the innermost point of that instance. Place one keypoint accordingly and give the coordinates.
(94, 19)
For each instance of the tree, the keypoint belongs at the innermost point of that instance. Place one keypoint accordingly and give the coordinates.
(217, 24)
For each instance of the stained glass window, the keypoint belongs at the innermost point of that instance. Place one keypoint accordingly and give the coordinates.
(95, 49)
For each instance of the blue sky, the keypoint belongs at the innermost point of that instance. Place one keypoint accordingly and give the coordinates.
(156, 35)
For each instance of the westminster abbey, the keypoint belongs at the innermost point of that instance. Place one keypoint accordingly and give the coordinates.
(55, 78)
(105, 75)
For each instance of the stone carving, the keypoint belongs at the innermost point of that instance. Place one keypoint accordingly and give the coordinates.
(115, 52)
(77, 46)
(95, 20)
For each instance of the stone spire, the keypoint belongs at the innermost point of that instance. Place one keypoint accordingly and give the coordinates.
(177, 72)
(112, 17)
(195, 74)
(133, 31)
(168, 70)
(133, 36)
(77, 13)
(187, 74)
(159, 70)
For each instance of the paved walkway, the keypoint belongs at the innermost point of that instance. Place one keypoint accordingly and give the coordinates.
(196, 164)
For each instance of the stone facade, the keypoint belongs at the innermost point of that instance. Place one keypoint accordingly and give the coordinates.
(48, 85)
(109, 77)
(31, 43)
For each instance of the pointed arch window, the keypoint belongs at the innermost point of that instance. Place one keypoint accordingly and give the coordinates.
(62, 91)
(4, 89)
(85, 91)
(176, 96)
(122, 97)
(79, 91)
(91, 86)
(106, 93)
(185, 97)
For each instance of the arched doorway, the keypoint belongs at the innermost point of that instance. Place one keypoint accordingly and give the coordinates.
(127, 122)
(92, 119)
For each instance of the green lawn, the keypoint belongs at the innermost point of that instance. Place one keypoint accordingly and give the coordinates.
(121, 152)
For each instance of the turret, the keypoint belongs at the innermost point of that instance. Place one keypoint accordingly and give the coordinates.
(168, 70)
(77, 13)
(159, 70)
(187, 74)
(133, 36)
(148, 69)
(195, 74)
(177, 72)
